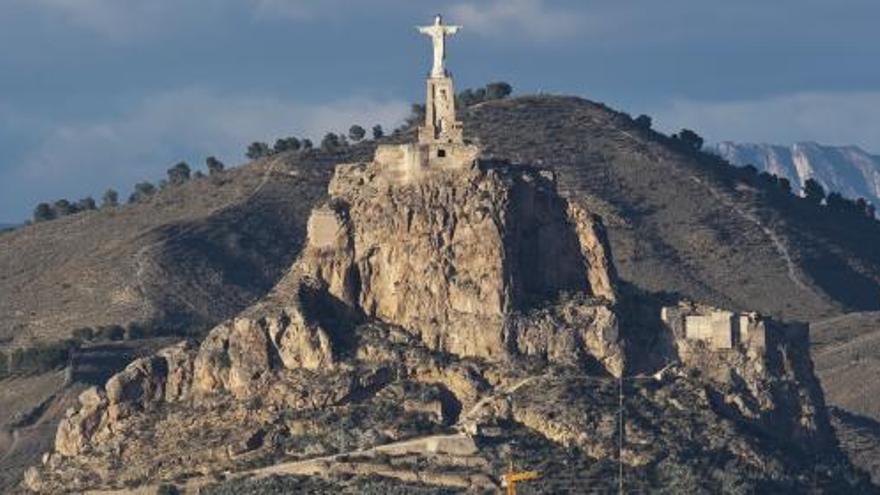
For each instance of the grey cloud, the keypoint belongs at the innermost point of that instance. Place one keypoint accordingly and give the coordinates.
(511, 19)
(184, 124)
(838, 118)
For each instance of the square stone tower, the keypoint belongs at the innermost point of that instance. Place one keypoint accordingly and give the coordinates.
(441, 123)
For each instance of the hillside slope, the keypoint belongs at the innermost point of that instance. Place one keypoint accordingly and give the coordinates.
(846, 353)
(187, 258)
(684, 222)
(847, 357)
(177, 264)
(848, 170)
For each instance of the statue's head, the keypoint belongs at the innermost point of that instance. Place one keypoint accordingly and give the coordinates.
(438, 19)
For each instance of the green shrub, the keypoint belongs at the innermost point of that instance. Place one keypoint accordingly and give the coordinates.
(690, 139)
(416, 115)
(86, 204)
(110, 332)
(110, 199)
(331, 142)
(356, 133)
(136, 331)
(498, 90)
(643, 121)
(142, 191)
(784, 184)
(258, 150)
(37, 359)
(813, 191)
(492, 91)
(179, 173)
(287, 144)
(62, 207)
(166, 489)
(84, 334)
(43, 212)
(214, 165)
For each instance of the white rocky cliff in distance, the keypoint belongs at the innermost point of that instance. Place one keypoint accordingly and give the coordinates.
(848, 170)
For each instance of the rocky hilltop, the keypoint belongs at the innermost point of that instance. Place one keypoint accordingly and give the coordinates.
(680, 225)
(433, 330)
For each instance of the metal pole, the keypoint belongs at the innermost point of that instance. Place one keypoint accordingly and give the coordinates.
(620, 437)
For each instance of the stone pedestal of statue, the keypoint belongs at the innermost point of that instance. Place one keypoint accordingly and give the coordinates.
(440, 147)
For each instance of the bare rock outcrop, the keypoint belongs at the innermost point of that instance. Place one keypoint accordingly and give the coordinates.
(451, 258)
(450, 261)
(601, 274)
(241, 357)
(573, 332)
(180, 359)
(77, 428)
(761, 370)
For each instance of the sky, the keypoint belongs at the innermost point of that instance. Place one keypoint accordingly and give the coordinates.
(97, 94)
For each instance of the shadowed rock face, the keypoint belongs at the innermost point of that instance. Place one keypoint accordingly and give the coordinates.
(451, 257)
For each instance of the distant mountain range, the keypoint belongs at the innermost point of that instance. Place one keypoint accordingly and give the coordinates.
(849, 170)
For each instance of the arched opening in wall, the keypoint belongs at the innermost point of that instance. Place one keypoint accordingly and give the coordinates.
(441, 153)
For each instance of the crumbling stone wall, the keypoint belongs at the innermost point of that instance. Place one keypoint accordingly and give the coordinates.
(720, 329)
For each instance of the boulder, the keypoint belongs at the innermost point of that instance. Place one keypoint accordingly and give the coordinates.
(299, 343)
(180, 359)
(137, 387)
(601, 339)
(250, 355)
(77, 427)
(212, 363)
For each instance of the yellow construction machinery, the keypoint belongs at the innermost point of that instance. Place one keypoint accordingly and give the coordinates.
(511, 478)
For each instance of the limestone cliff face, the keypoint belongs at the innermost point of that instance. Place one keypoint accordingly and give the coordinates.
(451, 257)
(456, 261)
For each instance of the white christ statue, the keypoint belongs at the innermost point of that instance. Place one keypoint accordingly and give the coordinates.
(438, 32)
